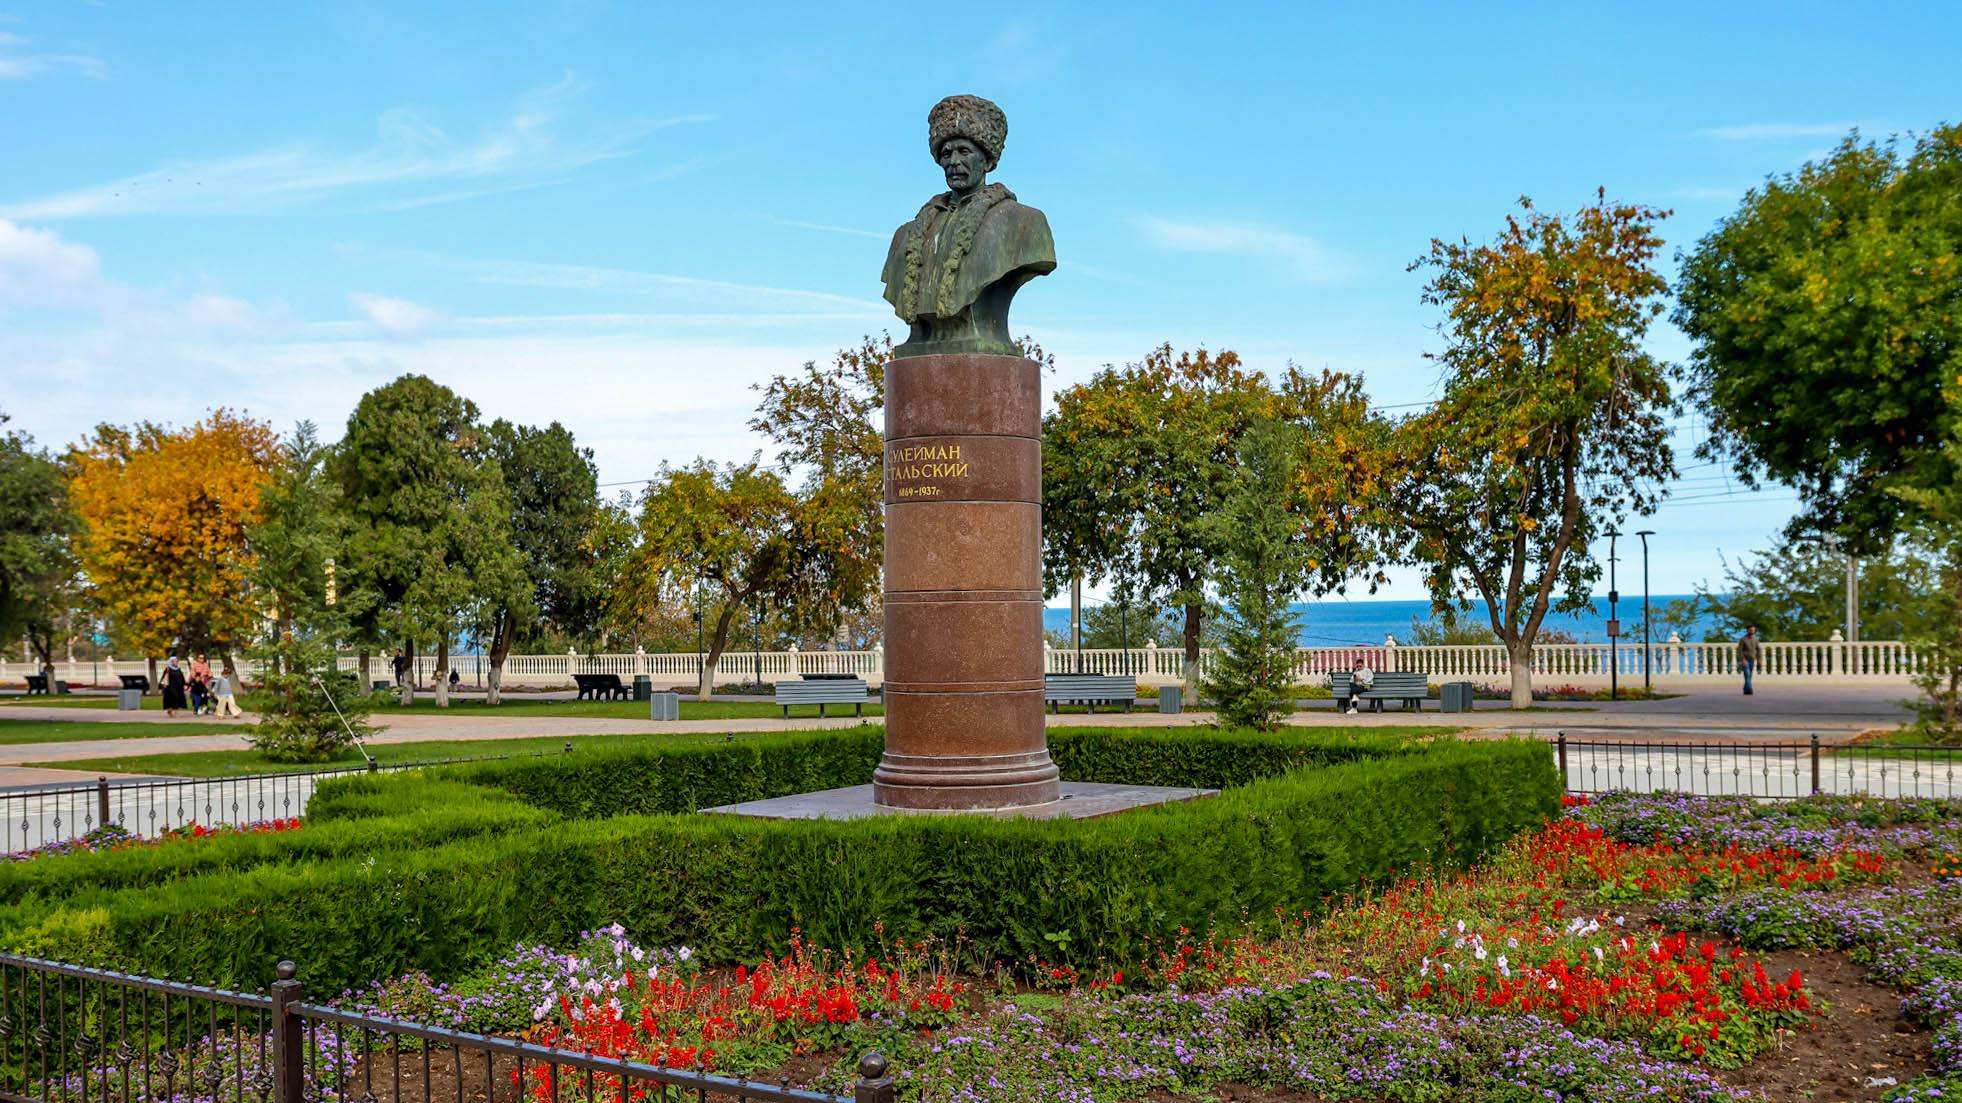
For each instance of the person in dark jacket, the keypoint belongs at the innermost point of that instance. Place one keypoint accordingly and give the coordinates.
(173, 681)
(1749, 651)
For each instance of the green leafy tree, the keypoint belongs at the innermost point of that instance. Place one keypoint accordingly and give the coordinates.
(1553, 418)
(722, 540)
(1825, 316)
(1263, 561)
(430, 547)
(37, 560)
(1797, 591)
(296, 537)
(1135, 464)
(313, 711)
(555, 515)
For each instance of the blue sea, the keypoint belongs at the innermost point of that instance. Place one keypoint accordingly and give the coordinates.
(1346, 623)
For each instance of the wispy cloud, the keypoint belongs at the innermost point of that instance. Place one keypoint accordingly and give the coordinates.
(410, 152)
(823, 228)
(395, 317)
(1310, 258)
(584, 277)
(19, 62)
(1760, 132)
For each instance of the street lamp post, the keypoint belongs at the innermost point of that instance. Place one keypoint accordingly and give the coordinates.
(1614, 622)
(1647, 633)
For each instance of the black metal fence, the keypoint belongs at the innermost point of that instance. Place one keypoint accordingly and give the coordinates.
(70, 1034)
(1767, 769)
(46, 816)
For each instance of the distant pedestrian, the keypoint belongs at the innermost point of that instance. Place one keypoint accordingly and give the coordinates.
(401, 668)
(200, 681)
(455, 679)
(1749, 650)
(221, 691)
(1360, 681)
(173, 682)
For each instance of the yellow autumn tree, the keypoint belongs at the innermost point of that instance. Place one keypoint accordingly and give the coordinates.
(164, 517)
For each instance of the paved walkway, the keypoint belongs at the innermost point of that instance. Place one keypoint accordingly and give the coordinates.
(1836, 711)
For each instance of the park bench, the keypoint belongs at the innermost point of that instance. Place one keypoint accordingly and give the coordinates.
(822, 690)
(37, 683)
(1089, 690)
(1409, 688)
(137, 682)
(603, 687)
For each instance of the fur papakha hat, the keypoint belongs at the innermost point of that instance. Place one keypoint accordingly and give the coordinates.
(970, 117)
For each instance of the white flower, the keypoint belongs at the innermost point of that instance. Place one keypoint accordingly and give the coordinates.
(683, 954)
(1479, 953)
(1504, 969)
(1461, 926)
(1598, 956)
(613, 1005)
(616, 930)
(1512, 944)
(1552, 985)
(653, 971)
(640, 954)
(1425, 969)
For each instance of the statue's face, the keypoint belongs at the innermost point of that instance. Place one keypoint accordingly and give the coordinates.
(964, 163)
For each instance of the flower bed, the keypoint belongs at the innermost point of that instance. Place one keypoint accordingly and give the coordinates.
(116, 837)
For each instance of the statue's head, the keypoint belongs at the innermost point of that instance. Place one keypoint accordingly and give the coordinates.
(966, 134)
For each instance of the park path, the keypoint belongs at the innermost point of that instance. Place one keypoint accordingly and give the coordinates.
(1781, 710)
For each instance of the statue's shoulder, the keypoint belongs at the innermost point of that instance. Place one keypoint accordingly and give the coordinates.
(1021, 232)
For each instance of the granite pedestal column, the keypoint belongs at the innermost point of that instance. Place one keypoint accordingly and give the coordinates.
(963, 586)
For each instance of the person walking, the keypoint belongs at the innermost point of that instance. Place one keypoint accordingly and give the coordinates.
(200, 679)
(401, 668)
(1749, 650)
(226, 700)
(172, 680)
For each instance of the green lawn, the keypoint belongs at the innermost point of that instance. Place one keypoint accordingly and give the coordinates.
(245, 760)
(76, 731)
(73, 701)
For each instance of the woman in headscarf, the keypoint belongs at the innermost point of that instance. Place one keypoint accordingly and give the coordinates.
(173, 687)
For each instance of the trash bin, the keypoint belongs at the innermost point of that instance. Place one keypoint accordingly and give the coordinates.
(129, 700)
(664, 706)
(61, 688)
(1455, 697)
(1171, 699)
(643, 687)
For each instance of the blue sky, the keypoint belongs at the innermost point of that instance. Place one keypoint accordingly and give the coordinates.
(621, 216)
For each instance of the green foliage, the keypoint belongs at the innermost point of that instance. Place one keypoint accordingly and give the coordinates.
(1797, 591)
(1553, 419)
(348, 818)
(1825, 315)
(37, 563)
(312, 712)
(1073, 892)
(1262, 562)
(555, 516)
(297, 536)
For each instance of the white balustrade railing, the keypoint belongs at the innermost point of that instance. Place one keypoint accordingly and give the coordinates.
(1552, 661)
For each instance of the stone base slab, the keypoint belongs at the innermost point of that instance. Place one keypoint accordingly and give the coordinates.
(1079, 801)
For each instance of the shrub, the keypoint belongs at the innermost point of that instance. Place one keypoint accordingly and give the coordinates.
(345, 818)
(1072, 892)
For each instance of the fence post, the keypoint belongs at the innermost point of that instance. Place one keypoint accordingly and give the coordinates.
(1815, 764)
(873, 1086)
(1560, 751)
(288, 1038)
(101, 802)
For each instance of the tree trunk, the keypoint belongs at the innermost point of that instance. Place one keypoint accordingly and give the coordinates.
(1519, 656)
(1190, 675)
(500, 649)
(155, 685)
(363, 675)
(408, 691)
(717, 642)
(441, 675)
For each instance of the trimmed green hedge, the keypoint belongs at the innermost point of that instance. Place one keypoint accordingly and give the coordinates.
(1069, 891)
(358, 816)
(648, 779)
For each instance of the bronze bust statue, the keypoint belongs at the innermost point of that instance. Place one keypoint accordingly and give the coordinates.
(952, 271)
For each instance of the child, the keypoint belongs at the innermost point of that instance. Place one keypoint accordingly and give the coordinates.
(221, 689)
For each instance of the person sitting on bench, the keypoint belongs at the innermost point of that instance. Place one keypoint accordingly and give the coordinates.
(1359, 682)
